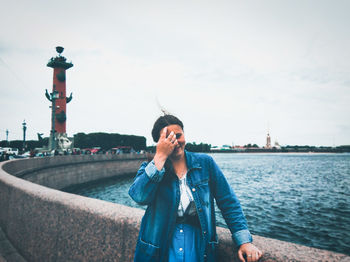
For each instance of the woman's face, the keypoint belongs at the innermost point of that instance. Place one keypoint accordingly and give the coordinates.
(179, 150)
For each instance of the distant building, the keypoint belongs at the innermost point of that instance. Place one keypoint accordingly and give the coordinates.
(238, 148)
(221, 148)
(277, 145)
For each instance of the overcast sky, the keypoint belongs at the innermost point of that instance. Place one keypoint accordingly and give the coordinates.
(230, 70)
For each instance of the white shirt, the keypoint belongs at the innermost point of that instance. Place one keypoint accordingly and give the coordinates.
(185, 196)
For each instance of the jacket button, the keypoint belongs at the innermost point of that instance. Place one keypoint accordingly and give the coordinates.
(193, 189)
(200, 209)
(204, 232)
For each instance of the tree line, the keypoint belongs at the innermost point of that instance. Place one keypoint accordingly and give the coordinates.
(107, 141)
(82, 140)
(110, 140)
(29, 145)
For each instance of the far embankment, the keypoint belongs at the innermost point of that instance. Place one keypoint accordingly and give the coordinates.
(46, 224)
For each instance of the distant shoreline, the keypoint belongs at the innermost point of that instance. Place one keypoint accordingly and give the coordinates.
(276, 151)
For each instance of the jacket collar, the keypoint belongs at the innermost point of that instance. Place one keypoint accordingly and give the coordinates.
(192, 160)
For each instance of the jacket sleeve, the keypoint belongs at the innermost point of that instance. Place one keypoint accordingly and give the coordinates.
(229, 206)
(146, 182)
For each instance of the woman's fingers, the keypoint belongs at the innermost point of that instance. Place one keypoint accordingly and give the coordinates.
(256, 256)
(250, 252)
(163, 134)
(260, 254)
(171, 137)
(250, 258)
(240, 256)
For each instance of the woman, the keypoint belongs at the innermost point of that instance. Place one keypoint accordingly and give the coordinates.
(179, 188)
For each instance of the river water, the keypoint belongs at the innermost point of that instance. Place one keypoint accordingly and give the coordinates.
(300, 198)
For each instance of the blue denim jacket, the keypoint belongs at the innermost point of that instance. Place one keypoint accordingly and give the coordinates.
(159, 190)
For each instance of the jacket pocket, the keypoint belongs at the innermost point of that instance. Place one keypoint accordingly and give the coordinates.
(146, 252)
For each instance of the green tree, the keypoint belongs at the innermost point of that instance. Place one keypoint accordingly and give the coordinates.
(107, 141)
(193, 147)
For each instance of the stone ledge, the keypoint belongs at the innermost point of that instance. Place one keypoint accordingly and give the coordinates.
(7, 252)
(45, 224)
(24, 167)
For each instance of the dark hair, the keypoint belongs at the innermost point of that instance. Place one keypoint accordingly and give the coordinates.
(162, 122)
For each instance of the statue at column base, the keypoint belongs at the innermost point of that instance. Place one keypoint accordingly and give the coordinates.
(63, 142)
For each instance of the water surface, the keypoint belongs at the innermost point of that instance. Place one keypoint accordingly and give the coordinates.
(300, 198)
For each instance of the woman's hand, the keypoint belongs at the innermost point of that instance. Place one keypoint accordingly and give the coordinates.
(165, 147)
(251, 252)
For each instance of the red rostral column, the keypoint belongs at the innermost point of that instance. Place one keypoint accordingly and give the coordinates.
(58, 96)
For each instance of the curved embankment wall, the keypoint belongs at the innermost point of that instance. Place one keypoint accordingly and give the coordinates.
(46, 224)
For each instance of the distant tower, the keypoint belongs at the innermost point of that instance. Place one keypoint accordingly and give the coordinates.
(58, 97)
(268, 141)
(268, 138)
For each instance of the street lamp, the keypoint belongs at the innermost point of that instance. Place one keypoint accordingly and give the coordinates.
(24, 134)
(7, 137)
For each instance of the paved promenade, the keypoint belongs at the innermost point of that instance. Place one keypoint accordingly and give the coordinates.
(7, 252)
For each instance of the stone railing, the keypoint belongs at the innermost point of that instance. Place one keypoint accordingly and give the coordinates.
(45, 224)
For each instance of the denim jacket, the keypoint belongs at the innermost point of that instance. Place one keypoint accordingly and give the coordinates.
(159, 190)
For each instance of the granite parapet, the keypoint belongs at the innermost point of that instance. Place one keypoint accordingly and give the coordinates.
(46, 224)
